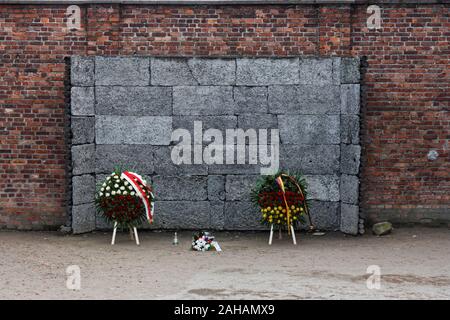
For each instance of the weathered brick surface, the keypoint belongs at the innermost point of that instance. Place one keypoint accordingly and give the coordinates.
(405, 89)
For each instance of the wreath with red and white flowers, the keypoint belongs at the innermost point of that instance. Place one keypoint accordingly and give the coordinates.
(125, 198)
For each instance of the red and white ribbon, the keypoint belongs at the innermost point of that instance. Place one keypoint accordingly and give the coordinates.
(134, 179)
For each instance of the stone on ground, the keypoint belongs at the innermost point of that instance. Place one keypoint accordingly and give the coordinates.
(382, 228)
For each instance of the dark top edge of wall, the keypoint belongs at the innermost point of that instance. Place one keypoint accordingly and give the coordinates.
(224, 2)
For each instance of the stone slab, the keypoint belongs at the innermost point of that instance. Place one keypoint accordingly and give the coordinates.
(83, 189)
(251, 100)
(181, 188)
(83, 218)
(238, 187)
(83, 159)
(310, 159)
(266, 71)
(216, 187)
(242, 215)
(82, 101)
(304, 99)
(122, 71)
(349, 218)
(133, 101)
(153, 130)
(138, 158)
(82, 130)
(323, 187)
(349, 189)
(317, 71)
(309, 129)
(82, 71)
(350, 159)
(204, 100)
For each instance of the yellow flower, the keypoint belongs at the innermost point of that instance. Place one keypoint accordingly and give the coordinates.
(292, 207)
(279, 208)
(279, 221)
(264, 215)
(268, 208)
(284, 210)
(295, 218)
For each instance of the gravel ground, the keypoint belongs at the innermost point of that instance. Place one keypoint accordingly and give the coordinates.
(414, 264)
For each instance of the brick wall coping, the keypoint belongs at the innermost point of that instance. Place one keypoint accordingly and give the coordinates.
(222, 2)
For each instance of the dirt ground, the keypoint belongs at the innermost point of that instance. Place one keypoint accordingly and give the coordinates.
(414, 264)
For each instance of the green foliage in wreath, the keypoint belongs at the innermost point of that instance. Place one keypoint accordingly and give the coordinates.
(268, 198)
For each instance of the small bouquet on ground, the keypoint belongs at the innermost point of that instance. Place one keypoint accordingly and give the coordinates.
(204, 241)
(125, 198)
(281, 198)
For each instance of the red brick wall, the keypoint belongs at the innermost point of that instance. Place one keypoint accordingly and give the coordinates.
(406, 82)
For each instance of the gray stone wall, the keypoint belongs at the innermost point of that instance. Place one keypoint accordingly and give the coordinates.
(314, 102)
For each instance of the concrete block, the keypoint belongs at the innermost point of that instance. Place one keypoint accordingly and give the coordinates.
(83, 218)
(267, 71)
(349, 218)
(350, 99)
(153, 130)
(134, 101)
(317, 71)
(82, 101)
(83, 159)
(238, 187)
(350, 70)
(349, 129)
(310, 159)
(122, 71)
(251, 100)
(324, 214)
(82, 71)
(309, 129)
(323, 187)
(216, 187)
(349, 189)
(304, 99)
(204, 100)
(242, 215)
(138, 158)
(350, 159)
(83, 189)
(181, 188)
(82, 130)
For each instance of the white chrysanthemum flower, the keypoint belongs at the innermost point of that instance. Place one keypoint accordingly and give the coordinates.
(125, 193)
(119, 192)
(126, 182)
(100, 194)
(130, 187)
(132, 193)
(116, 186)
(104, 184)
(122, 188)
(108, 188)
(113, 192)
(107, 195)
(108, 178)
(116, 177)
(102, 189)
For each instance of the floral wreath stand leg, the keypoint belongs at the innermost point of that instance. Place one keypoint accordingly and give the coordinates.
(133, 234)
(294, 239)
